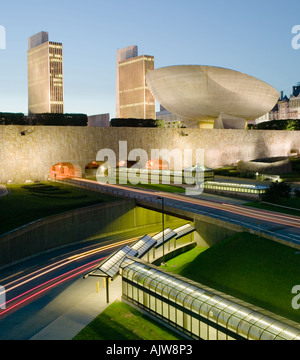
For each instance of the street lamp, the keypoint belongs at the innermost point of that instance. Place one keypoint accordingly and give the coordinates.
(163, 224)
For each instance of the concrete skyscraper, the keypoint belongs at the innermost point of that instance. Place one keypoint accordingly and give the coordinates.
(45, 75)
(133, 98)
(123, 54)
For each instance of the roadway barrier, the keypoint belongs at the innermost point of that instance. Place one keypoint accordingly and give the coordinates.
(101, 221)
(190, 211)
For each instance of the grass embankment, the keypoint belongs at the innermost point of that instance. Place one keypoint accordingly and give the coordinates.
(122, 322)
(253, 269)
(161, 187)
(28, 203)
(286, 206)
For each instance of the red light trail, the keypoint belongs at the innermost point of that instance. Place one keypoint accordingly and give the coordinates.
(43, 287)
(65, 277)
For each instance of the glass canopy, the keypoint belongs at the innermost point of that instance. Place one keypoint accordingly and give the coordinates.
(226, 313)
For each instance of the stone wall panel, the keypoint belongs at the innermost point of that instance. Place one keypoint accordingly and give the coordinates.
(30, 157)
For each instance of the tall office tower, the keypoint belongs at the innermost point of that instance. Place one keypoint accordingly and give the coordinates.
(123, 54)
(45, 75)
(134, 99)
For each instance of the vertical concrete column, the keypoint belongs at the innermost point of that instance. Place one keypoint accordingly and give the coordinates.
(209, 233)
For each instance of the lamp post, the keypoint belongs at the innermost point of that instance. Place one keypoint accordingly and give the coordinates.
(163, 223)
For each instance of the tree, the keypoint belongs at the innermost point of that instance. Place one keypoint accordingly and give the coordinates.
(289, 125)
(132, 122)
(292, 125)
(277, 191)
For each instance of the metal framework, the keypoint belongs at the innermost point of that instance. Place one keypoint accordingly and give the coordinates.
(198, 311)
(109, 268)
(143, 245)
(163, 237)
(194, 309)
(183, 231)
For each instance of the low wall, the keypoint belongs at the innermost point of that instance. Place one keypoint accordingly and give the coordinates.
(78, 225)
(277, 166)
(31, 156)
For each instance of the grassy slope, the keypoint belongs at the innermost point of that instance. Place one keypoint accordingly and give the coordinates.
(247, 267)
(122, 322)
(293, 203)
(25, 205)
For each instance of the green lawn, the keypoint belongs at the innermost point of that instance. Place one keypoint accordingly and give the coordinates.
(249, 268)
(253, 269)
(28, 203)
(122, 322)
(161, 187)
(293, 203)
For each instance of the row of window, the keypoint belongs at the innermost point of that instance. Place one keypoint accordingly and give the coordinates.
(196, 310)
(235, 189)
(173, 316)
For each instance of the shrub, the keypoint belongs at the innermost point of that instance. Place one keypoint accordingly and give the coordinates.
(134, 123)
(44, 119)
(277, 191)
(297, 193)
(289, 125)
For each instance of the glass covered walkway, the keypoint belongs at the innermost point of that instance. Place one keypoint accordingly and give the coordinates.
(235, 187)
(197, 311)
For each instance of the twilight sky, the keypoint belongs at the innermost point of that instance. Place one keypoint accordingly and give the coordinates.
(254, 37)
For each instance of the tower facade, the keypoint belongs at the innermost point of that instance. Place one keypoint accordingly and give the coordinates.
(134, 99)
(123, 54)
(45, 75)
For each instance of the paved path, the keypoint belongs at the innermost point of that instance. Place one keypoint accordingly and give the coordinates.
(62, 313)
(87, 307)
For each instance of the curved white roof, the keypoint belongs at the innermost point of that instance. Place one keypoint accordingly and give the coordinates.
(197, 93)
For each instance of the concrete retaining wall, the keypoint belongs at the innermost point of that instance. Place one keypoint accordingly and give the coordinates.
(30, 157)
(76, 226)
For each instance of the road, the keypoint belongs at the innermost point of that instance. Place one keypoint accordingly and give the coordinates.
(282, 226)
(41, 290)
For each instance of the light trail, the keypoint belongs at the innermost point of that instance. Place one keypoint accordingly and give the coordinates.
(34, 295)
(50, 268)
(107, 247)
(268, 215)
(258, 214)
(239, 210)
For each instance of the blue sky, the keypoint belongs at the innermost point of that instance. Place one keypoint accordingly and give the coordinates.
(253, 37)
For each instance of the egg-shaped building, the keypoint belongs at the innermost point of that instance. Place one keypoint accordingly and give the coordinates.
(211, 96)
